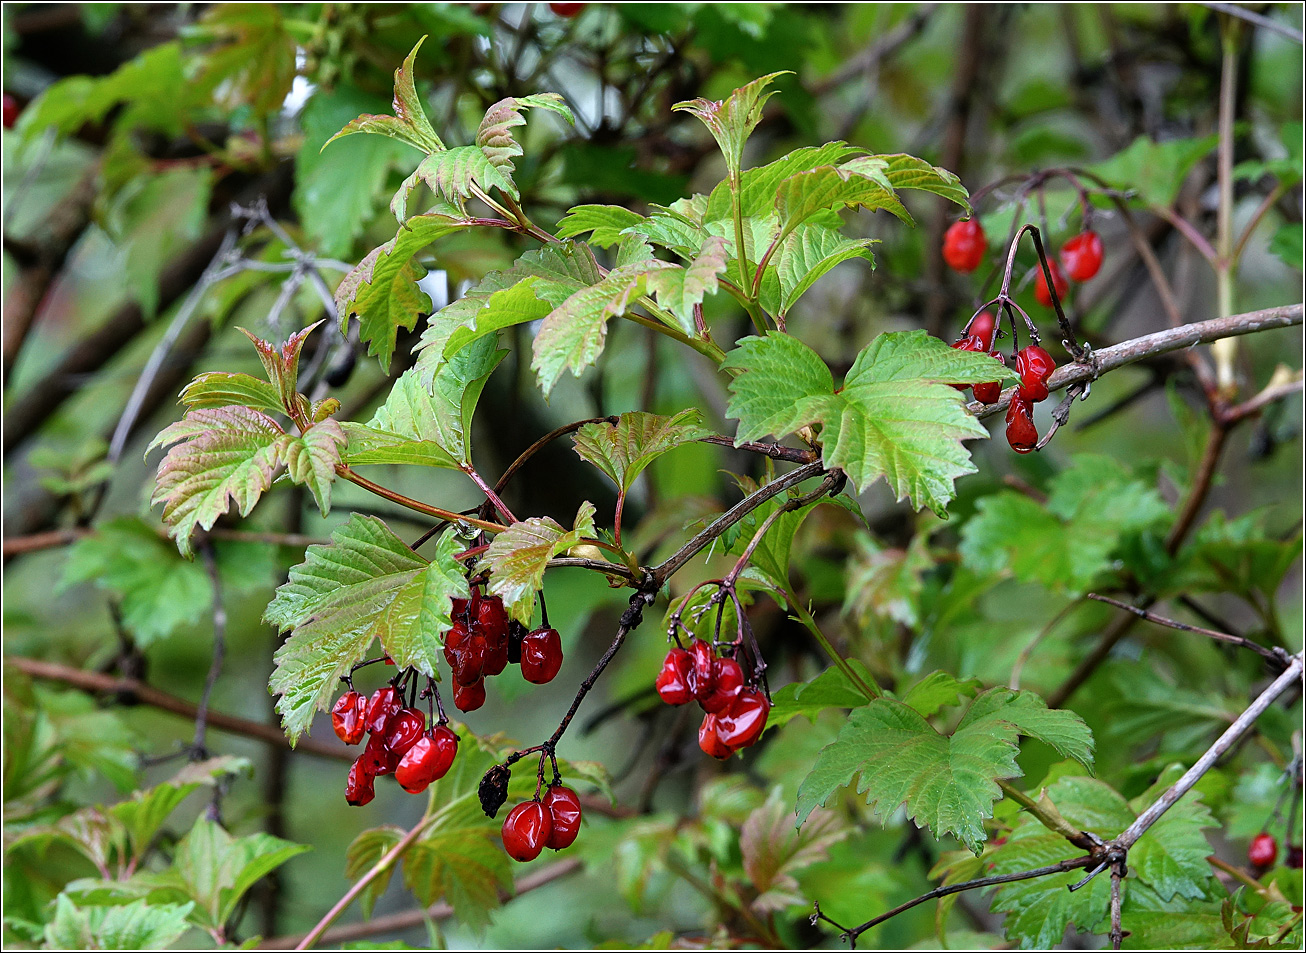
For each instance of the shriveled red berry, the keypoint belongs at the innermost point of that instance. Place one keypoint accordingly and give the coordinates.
(727, 683)
(541, 655)
(525, 830)
(564, 814)
(429, 759)
(491, 617)
(981, 327)
(964, 244)
(700, 673)
(742, 725)
(1081, 256)
(673, 680)
(496, 656)
(349, 717)
(465, 652)
(359, 788)
(1263, 850)
(710, 742)
(404, 730)
(469, 697)
(990, 392)
(566, 10)
(1059, 283)
(377, 759)
(1035, 366)
(1021, 432)
(381, 707)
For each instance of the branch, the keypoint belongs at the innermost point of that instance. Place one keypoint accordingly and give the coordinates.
(1280, 657)
(198, 751)
(137, 691)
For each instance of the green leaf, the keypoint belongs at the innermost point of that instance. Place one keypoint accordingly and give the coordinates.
(160, 592)
(364, 853)
(808, 254)
(494, 136)
(336, 602)
(457, 388)
(624, 449)
(218, 389)
(311, 459)
(831, 689)
(908, 172)
(758, 186)
(133, 926)
(732, 120)
(605, 223)
(947, 783)
(518, 556)
(1286, 245)
(451, 175)
(939, 690)
(773, 852)
(894, 417)
(382, 290)
(221, 455)
(254, 66)
(146, 812)
(573, 333)
(806, 194)
(538, 282)
(680, 289)
(409, 123)
(1155, 171)
(887, 583)
(413, 625)
(218, 869)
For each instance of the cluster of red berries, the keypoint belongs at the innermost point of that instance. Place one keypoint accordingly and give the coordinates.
(964, 245)
(552, 821)
(483, 641)
(736, 712)
(398, 743)
(1033, 364)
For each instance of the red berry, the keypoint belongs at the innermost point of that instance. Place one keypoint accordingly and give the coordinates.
(541, 656)
(564, 814)
(1021, 432)
(1041, 286)
(348, 717)
(11, 111)
(981, 327)
(469, 697)
(404, 730)
(1035, 366)
(742, 725)
(567, 10)
(710, 742)
(377, 759)
(491, 618)
(964, 245)
(990, 392)
(496, 656)
(358, 785)
(700, 673)
(525, 830)
(1082, 256)
(383, 705)
(673, 681)
(1293, 859)
(465, 652)
(429, 759)
(727, 683)
(1263, 850)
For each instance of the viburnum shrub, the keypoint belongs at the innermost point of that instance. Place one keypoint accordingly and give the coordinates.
(471, 603)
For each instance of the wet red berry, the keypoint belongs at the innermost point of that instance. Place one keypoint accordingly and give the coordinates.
(429, 759)
(742, 725)
(673, 681)
(349, 717)
(358, 785)
(469, 697)
(491, 618)
(1059, 283)
(1263, 850)
(727, 683)
(525, 830)
(541, 655)
(981, 327)
(377, 759)
(964, 244)
(403, 730)
(1021, 432)
(1081, 256)
(1035, 366)
(564, 815)
(381, 707)
(990, 392)
(709, 741)
(566, 10)
(700, 673)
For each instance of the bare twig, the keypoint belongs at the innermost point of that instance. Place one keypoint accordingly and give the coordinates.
(1279, 656)
(198, 750)
(1251, 16)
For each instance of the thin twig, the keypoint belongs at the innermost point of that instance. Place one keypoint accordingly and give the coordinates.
(1279, 658)
(1251, 16)
(198, 750)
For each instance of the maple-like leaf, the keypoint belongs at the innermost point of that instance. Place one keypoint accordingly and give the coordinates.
(517, 557)
(733, 119)
(311, 459)
(451, 175)
(495, 138)
(624, 449)
(219, 456)
(680, 289)
(409, 123)
(773, 851)
(604, 223)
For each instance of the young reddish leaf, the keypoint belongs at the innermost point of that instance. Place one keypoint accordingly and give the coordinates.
(773, 852)
(311, 459)
(282, 366)
(494, 136)
(517, 558)
(409, 123)
(451, 174)
(382, 290)
(572, 335)
(732, 120)
(221, 455)
(624, 449)
(680, 289)
(217, 389)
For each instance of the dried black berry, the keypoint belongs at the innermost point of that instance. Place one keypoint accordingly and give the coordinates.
(494, 789)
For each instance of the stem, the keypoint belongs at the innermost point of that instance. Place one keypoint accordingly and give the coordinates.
(616, 516)
(1184, 627)
(1053, 822)
(1201, 486)
(1226, 266)
(544, 441)
(219, 651)
(706, 348)
(423, 508)
(490, 494)
(871, 692)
